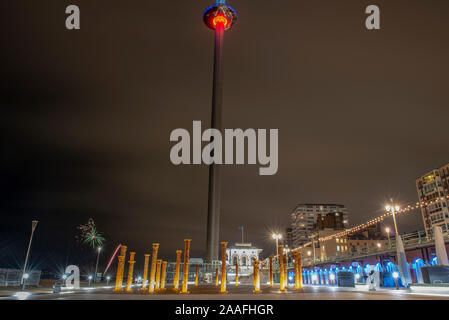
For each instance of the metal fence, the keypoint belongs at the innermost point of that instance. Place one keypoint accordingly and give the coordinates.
(207, 273)
(12, 277)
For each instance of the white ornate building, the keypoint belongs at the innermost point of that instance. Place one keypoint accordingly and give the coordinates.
(243, 253)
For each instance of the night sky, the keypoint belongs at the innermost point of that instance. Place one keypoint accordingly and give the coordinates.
(86, 117)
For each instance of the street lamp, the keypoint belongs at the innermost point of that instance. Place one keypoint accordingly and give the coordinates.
(332, 278)
(387, 230)
(107, 280)
(90, 279)
(277, 237)
(24, 274)
(314, 278)
(404, 269)
(395, 276)
(96, 267)
(393, 208)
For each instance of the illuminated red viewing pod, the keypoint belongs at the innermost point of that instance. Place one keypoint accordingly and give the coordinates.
(220, 14)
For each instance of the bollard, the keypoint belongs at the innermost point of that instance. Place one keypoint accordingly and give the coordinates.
(153, 268)
(164, 267)
(120, 269)
(256, 276)
(130, 271)
(176, 277)
(158, 274)
(285, 271)
(145, 272)
(281, 268)
(236, 273)
(298, 284)
(254, 270)
(223, 267)
(216, 276)
(185, 268)
(196, 273)
(271, 271)
(295, 268)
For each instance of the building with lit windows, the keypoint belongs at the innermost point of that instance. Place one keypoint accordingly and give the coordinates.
(288, 238)
(307, 218)
(339, 246)
(433, 192)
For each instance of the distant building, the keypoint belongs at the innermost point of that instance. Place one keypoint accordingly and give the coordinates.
(433, 192)
(332, 220)
(243, 253)
(340, 246)
(307, 218)
(289, 237)
(373, 232)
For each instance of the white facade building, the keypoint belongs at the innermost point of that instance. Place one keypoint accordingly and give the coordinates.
(243, 253)
(433, 192)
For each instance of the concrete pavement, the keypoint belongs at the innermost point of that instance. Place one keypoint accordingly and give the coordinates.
(209, 292)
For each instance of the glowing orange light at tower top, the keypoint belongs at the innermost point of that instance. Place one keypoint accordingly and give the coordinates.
(219, 14)
(220, 20)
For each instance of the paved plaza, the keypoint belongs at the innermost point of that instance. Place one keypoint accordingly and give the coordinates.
(238, 293)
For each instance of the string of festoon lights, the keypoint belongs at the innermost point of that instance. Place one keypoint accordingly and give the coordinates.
(403, 210)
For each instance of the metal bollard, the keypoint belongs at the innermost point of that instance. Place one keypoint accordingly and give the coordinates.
(164, 268)
(256, 276)
(145, 272)
(178, 263)
(120, 269)
(158, 274)
(236, 273)
(185, 270)
(281, 268)
(196, 273)
(153, 268)
(130, 271)
(223, 267)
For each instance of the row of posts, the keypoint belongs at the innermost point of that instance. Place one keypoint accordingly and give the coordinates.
(158, 270)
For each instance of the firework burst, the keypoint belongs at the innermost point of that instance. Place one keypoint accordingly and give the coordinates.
(90, 235)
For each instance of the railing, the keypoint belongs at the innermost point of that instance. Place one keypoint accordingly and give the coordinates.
(12, 277)
(410, 240)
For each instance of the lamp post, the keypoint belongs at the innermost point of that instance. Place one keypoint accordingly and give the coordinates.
(393, 209)
(24, 274)
(332, 278)
(395, 276)
(277, 237)
(404, 270)
(96, 267)
(218, 17)
(387, 230)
